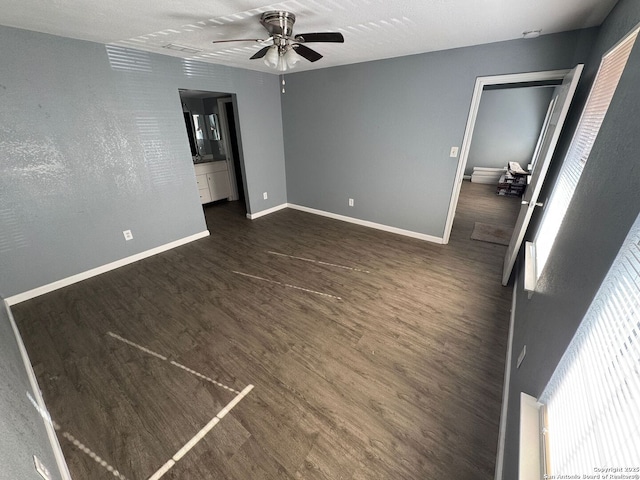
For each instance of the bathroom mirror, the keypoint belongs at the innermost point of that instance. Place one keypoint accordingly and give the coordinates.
(198, 127)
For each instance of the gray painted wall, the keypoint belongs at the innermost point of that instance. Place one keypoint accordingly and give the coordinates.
(92, 142)
(507, 126)
(605, 205)
(380, 132)
(22, 430)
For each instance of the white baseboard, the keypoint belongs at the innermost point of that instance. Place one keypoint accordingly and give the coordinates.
(50, 287)
(366, 223)
(253, 216)
(344, 218)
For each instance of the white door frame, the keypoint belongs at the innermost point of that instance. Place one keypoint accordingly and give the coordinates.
(482, 82)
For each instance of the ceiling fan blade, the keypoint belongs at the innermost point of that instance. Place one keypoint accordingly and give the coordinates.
(306, 52)
(241, 40)
(260, 53)
(333, 37)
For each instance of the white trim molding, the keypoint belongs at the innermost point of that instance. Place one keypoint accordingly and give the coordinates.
(529, 465)
(262, 213)
(50, 287)
(366, 223)
(481, 82)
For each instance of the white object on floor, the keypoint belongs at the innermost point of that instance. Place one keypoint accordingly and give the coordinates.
(487, 174)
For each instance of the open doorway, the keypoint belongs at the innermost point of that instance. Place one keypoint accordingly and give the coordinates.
(507, 127)
(212, 129)
(482, 84)
(507, 133)
(548, 138)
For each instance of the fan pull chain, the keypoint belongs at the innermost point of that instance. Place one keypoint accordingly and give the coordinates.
(282, 78)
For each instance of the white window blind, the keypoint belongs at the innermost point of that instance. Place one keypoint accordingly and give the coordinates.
(595, 109)
(593, 398)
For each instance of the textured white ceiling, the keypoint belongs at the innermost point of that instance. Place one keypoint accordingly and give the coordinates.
(373, 29)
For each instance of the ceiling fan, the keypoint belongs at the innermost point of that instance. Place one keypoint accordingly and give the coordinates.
(287, 48)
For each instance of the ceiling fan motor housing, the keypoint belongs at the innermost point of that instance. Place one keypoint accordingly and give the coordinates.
(278, 23)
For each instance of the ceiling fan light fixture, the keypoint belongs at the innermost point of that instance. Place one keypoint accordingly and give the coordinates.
(287, 49)
(282, 65)
(272, 57)
(291, 58)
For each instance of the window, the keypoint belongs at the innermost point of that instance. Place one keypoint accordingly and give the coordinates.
(595, 109)
(593, 398)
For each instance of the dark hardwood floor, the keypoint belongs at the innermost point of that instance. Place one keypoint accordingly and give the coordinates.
(389, 369)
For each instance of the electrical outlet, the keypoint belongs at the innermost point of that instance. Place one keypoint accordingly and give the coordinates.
(454, 152)
(521, 356)
(265, 196)
(351, 202)
(41, 469)
(127, 235)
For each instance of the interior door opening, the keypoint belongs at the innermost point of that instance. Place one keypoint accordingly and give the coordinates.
(507, 132)
(564, 82)
(212, 129)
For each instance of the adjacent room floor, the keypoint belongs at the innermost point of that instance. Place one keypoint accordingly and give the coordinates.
(371, 355)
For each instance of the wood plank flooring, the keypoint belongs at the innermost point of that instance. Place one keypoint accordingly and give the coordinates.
(389, 369)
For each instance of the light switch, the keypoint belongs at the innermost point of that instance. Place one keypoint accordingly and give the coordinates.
(454, 152)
